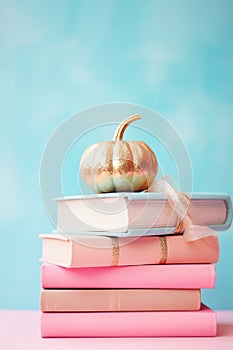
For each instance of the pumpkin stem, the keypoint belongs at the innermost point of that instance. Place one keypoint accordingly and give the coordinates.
(123, 125)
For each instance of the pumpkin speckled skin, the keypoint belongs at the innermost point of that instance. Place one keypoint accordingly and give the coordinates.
(118, 165)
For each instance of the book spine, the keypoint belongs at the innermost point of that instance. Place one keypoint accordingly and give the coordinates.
(183, 276)
(83, 300)
(129, 324)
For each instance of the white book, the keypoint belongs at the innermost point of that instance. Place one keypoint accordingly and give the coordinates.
(136, 214)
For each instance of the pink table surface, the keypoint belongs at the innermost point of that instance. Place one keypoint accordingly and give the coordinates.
(21, 330)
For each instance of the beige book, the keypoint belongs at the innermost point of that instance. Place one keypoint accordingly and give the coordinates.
(74, 300)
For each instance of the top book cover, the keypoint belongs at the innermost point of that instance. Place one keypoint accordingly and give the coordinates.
(130, 214)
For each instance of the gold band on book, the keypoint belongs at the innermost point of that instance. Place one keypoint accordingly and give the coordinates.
(163, 249)
(115, 251)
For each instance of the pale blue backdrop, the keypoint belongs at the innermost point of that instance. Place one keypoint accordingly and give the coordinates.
(59, 57)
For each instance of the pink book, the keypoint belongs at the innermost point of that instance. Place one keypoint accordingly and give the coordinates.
(130, 324)
(90, 251)
(79, 300)
(187, 276)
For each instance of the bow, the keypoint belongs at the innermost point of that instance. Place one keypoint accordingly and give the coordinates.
(180, 201)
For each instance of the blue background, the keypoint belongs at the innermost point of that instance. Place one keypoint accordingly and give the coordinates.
(59, 57)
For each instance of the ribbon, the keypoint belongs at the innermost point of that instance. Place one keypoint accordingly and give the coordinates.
(179, 201)
(163, 249)
(115, 251)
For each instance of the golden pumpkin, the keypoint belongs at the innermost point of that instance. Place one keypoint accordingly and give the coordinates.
(117, 165)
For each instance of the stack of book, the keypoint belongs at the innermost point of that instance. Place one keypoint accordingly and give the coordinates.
(118, 270)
